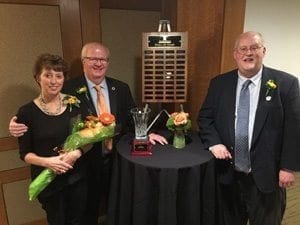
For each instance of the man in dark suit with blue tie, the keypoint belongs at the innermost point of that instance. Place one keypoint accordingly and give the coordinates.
(119, 102)
(250, 121)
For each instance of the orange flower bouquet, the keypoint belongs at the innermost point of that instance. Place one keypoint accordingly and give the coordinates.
(92, 130)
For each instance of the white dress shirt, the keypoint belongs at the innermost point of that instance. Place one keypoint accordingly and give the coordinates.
(254, 89)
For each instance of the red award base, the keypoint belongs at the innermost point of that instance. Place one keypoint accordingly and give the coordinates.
(141, 148)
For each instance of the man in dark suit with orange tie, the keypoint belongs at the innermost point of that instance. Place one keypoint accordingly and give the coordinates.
(250, 121)
(119, 102)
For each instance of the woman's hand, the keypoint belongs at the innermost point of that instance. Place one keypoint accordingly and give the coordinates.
(71, 157)
(57, 164)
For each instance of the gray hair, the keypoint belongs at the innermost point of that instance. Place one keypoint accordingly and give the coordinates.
(93, 45)
(249, 33)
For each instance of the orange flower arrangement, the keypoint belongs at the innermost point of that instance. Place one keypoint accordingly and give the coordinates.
(179, 121)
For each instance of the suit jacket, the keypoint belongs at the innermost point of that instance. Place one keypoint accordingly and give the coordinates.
(276, 134)
(121, 102)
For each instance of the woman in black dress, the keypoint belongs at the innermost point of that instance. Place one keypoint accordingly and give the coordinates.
(48, 119)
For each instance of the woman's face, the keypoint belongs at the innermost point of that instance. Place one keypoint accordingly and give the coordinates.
(51, 82)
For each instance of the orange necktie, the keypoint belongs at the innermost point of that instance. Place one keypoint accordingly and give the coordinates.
(102, 107)
(101, 103)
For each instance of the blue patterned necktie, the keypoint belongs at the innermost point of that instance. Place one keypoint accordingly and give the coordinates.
(242, 155)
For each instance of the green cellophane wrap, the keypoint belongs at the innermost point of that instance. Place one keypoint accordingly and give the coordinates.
(73, 141)
(40, 183)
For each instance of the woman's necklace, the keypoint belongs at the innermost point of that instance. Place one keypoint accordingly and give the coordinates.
(45, 109)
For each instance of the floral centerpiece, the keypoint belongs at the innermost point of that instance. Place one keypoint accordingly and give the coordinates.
(179, 123)
(89, 131)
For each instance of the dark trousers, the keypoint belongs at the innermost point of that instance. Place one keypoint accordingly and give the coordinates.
(99, 176)
(242, 201)
(66, 207)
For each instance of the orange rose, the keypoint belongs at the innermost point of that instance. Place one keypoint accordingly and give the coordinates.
(179, 121)
(106, 118)
(180, 118)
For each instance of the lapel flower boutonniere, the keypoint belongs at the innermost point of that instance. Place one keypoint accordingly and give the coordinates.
(71, 101)
(83, 90)
(270, 86)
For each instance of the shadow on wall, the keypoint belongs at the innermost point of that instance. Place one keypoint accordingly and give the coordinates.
(11, 99)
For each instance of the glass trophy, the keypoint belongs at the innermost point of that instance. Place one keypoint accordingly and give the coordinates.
(141, 145)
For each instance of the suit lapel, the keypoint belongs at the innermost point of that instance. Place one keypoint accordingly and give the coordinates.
(231, 100)
(263, 107)
(112, 91)
(86, 99)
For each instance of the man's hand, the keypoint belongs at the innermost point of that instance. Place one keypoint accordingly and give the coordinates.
(153, 138)
(17, 129)
(286, 178)
(220, 152)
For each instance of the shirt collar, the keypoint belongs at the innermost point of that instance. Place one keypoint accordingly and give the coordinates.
(255, 79)
(91, 85)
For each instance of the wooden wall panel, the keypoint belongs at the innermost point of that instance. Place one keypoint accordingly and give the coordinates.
(38, 222)
(205, 22)
(233, 26)
(148, 5)
(80, 22)
(6, 177)
(32, 2)
(8, 143)
(203, 19)
(90, 20)
(169, 11)
(71, 34)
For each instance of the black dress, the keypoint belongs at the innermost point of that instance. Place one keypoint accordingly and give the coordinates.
(64, 199)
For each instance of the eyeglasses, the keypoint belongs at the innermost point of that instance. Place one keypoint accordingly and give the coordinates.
(95, 60)
(243, 50)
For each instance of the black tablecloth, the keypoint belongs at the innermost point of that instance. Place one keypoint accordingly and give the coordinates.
(171, 187)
